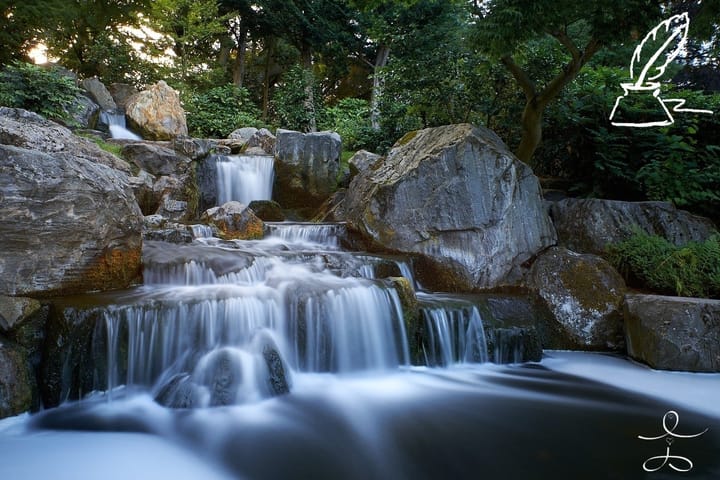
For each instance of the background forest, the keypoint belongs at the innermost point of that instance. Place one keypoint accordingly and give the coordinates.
(543, 74)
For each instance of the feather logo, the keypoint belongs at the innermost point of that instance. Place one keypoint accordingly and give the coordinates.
(649, 62)
(652, 64)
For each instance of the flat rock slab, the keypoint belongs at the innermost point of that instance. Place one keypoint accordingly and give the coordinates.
(673, 333)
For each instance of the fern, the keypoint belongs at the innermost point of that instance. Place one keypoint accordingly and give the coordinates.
(652, 262)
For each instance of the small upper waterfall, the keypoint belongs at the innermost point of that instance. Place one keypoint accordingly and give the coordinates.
(244, 178)
(117, 126)
(325, 234)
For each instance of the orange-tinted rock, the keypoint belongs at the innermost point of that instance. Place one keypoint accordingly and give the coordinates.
(156, 113)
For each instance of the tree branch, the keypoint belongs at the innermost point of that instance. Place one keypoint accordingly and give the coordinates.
(527, 85)
(570, 71)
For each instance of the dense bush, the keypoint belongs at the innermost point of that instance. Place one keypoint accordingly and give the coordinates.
(215, 113)
(650, 261)
(42, 90)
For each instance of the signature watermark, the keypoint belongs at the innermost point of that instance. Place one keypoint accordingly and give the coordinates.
(670, 421)
(648, 64)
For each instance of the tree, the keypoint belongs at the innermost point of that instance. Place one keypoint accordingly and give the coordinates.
(504, 28)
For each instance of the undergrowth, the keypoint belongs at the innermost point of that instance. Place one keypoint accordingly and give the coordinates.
(652, 262)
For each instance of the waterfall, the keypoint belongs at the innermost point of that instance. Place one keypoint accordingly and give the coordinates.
(116, 124)
(325, 234)
(454, 329)
(244, 178)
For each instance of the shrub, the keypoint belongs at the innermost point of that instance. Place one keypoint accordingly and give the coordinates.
(215, 113)
(650, 261)
(41, 90)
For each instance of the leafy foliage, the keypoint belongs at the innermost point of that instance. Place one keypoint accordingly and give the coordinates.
(220, 110)
(42, 90)
(651, 261)
(290, 102)
(350, 117)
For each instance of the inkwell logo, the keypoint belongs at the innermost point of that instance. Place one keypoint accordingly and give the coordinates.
(641, 105)
(676, 462)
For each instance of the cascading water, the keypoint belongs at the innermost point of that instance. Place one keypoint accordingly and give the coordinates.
(244, 178)
(117, 126)
(305, 348)
(454, 329)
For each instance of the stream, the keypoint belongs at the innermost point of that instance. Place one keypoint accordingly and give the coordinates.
(289, 358)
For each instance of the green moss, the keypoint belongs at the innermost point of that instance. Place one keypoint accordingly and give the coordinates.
(407, 138)
(108, 147)
(582, 277)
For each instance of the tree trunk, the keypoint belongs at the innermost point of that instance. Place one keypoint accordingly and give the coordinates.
(531, 131)
(380, 61)
(239, 64)
(309, 102)
(269, 48)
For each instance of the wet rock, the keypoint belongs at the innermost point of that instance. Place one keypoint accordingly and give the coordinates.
(207, 182)
(585, 295)
(176, 210)
(673, 333)
(99, 93)
(156, 113)
(263, 139)
(513, 344)
(22, 320)
(588, 225)
(84, 112)
(16, 380)
(234, 221)
(411, 315)
(169, 232)
(178, 392)
(458, 197)
(80, 214)
(155, 159)
(29, 130)
(142, 187)
(15, 310)
(267, 210)
(333, 209)
(193, 148)
(74, 363)
(306, 169)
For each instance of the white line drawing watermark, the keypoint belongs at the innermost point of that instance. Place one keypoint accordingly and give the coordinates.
(647, 66)
(685, 463)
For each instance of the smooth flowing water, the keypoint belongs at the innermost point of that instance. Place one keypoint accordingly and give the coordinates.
(288, 358)
(244, 178)
(117, 126)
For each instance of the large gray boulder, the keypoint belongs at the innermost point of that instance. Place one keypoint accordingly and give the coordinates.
(306, 168)
(458, 197)
(69, 225)
(84, 112)
(121, 93)
(585, 295)
(156, 113)
(588, 225)
(29, 130)
(155, 159)
(99, 93)
(673, 333)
